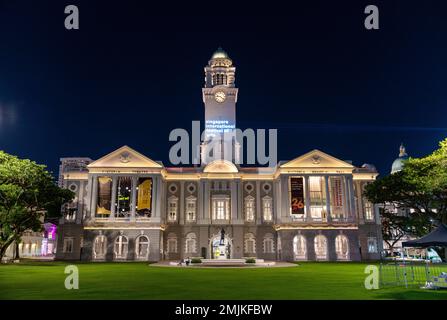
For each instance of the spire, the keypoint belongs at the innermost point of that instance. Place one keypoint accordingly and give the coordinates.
(402, 152)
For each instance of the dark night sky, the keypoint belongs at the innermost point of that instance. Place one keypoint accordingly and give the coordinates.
(134, 71)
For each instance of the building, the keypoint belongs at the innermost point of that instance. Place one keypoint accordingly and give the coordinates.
(397, 236)
(129, 207)
(35, 245)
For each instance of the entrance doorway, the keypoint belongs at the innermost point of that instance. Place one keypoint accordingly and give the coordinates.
(220, 249)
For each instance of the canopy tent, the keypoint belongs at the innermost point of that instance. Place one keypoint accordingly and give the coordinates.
(436, 238)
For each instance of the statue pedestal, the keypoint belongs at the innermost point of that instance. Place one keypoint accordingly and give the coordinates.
(222, 254)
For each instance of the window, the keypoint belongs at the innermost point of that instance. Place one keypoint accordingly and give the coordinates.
(250, 209)
(317, 198)
(104, 200)
(190, 209)
(250, 243)
(172, 209)
(143, 208)
(299, 247)
(368, 209)
(142, 247)
(123, 197)
(70, 213)
(121, 247)
(320, 243)
(269, 246)
(190, 243)
(219, 79)
(99, 247)
(342, 247)
(337, 197)
(172, 243)
(221, 208)
(372, 245)
(267, 208)
(68, 245)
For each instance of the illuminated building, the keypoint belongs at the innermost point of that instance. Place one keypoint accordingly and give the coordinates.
(129, 207)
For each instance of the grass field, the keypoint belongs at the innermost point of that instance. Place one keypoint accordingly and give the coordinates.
(140, 281)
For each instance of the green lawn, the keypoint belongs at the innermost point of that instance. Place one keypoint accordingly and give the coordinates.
(140, 281)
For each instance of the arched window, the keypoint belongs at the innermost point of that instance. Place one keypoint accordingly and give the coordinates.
(172, 243)
(269, 243)
(342, 247)
(142, 247)
(121, 247)
(267, 208)
(191, 243)
(100, 247)
(299, 247)
(250, 209)
(320, 243)
(249, 243)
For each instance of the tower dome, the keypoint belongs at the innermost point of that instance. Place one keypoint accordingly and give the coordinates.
(398, 164)
(220, 54)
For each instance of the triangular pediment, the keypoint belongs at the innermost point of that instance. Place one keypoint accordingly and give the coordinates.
(317, 159)
(124, 157)
(220, 166)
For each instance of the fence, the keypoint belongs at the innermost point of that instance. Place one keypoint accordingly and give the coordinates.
(409, 273)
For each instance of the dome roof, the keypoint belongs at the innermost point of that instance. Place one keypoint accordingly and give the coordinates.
(398, 164)
(220, 54)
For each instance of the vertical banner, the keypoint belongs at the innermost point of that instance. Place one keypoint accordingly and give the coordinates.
(144, 194)
(297, 195)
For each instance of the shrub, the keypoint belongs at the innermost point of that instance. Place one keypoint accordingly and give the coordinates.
(196, 260)
(250, 260)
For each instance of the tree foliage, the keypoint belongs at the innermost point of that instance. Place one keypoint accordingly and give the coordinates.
(419, 189)
(28, 193)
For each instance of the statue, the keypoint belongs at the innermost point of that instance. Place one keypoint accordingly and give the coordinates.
(222, 237)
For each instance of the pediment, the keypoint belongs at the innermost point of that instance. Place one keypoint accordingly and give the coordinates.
(124, 157)
(317, 159)
(220, 166)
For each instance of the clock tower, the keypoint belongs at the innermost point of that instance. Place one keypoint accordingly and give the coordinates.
(219, 96)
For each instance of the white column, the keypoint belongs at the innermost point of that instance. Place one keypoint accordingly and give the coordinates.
(350, 182)
(346, 204)
(200, 214)
(134, 198)
(328, 199)
(182, 203)
(258, 208)
(93, 190)
(233, 188)
(307, 198)
(114, 189)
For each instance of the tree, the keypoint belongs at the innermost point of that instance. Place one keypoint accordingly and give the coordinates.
(419, 189)
(28, 193)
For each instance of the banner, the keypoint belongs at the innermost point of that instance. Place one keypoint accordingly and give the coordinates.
(297, 195)
(144, 194)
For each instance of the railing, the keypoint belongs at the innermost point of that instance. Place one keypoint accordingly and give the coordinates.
(409, 273)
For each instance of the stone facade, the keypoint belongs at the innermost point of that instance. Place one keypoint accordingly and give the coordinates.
(129, 207)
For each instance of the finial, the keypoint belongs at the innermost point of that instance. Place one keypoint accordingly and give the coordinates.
(402, 152)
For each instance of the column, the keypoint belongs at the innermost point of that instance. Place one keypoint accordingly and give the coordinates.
(182, 203)
(113, 207)
(134, 198)
(81, 204)
(233, 188)
(328, 199)
(199, 202)
(94, 192)
(206, 201)
(307, 198)
(240, 202)
(350, 182)
(346, 202)
(258, 208)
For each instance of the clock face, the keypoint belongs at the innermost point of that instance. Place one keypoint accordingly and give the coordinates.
(220, 96)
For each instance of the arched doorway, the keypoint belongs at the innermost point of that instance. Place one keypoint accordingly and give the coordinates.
(221, 249)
